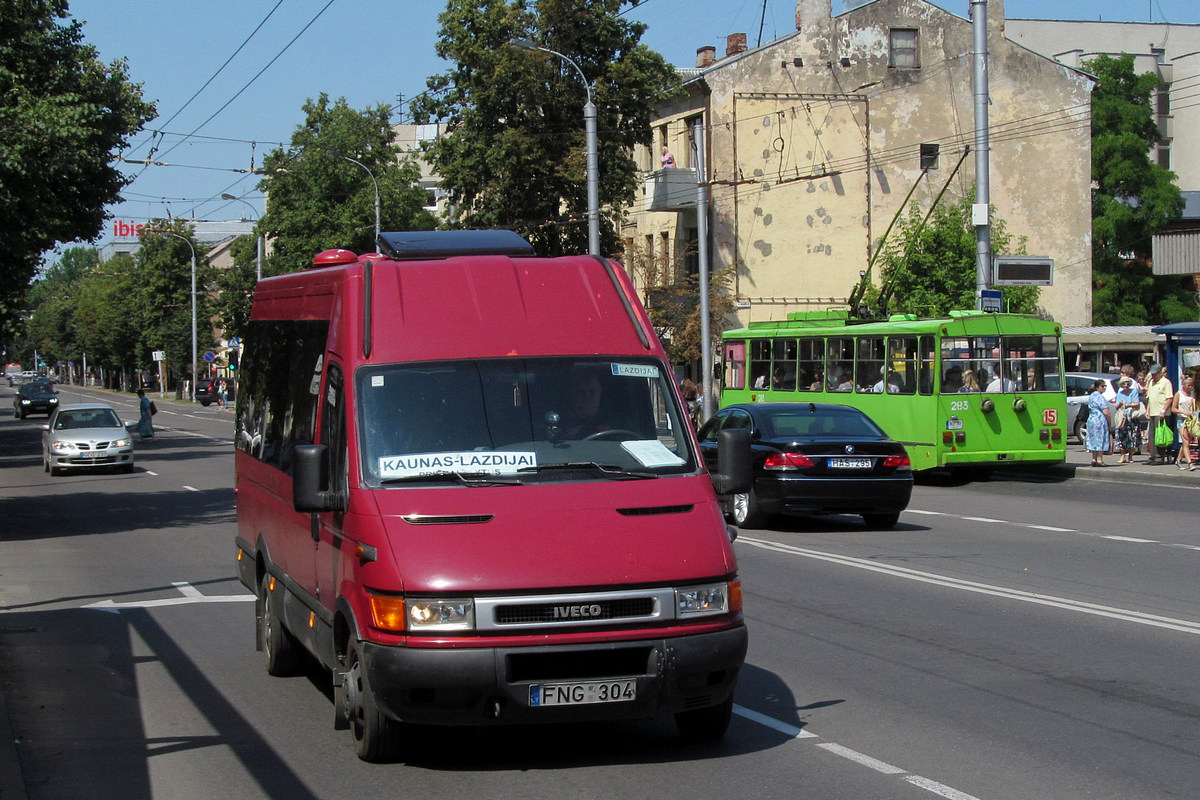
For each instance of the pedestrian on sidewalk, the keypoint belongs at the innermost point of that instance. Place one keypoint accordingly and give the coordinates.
(1128, 431)
(1183, 406)
(1098, 438)
(1158, 405)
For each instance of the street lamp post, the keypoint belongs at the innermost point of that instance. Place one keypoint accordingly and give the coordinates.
(593, 159)
(336, 154)
(258, 264)
(188, 242)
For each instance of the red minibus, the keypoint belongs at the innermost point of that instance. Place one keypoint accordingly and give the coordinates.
(466, 485)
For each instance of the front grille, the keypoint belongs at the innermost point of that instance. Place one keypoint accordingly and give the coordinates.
(575, 611)
(541, 612)
(94, 446)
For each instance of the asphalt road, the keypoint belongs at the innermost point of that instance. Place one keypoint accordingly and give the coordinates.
(1028, 637)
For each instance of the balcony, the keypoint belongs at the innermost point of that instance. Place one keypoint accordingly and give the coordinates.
(671, 189)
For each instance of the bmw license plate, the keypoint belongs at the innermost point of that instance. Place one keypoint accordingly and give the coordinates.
(578, 694)
(849, 463)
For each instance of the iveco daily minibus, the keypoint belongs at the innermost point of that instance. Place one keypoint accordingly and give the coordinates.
(466, 484)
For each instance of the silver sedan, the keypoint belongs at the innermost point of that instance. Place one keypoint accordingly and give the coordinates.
(86, 436)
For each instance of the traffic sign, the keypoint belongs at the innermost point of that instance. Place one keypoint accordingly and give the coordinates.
(991, 300)
(210, 356)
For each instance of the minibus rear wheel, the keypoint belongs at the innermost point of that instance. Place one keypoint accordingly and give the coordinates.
(282, 651)
(376, 737)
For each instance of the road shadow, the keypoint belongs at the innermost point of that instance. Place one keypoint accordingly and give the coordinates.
(76, 715)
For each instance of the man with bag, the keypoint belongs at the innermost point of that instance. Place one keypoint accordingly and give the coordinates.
(1159, 393)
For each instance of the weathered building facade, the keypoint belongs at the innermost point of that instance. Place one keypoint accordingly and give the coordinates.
(816, 140)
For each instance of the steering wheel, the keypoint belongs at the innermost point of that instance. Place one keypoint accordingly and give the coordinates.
(613, 435)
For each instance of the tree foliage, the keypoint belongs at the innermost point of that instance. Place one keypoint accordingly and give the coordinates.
(514, 153)
(319, 201)
(63, 115)
(1132, 198)
(672, 299)
(927, 267)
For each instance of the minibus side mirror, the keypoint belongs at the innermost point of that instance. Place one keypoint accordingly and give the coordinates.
(310, 489)
(733, 462)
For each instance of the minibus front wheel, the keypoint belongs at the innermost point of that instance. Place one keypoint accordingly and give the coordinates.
(281, 649)
(376, 737)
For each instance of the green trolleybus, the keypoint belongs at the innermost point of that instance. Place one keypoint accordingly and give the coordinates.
(970, 390)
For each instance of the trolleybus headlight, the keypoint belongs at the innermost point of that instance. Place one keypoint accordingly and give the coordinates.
(456, 614)
(1019, 404)
(988, 405)
(708, 600)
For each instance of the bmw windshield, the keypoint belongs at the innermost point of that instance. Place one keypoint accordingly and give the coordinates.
(520, 420)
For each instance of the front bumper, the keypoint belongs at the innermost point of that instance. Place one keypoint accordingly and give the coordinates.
(99, 458)
(475, 686)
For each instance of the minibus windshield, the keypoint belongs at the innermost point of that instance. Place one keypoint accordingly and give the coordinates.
(584, 418)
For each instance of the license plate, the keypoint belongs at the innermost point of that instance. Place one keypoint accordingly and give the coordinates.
(954, 424)
(578, 694)
(849, 463)
(94, 454)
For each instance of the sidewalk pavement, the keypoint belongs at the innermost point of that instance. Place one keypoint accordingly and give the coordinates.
(1078, 465)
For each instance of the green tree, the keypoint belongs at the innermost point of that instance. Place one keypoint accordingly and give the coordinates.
(105, 314)
(63, 115)
(54, 301)
(513, 155)
(236, 285)
(320, 201)
(927, 267)
(1132, 198)
(162, 297)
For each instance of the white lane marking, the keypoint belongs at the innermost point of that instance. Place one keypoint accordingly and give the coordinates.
(1093, 609)
(939, 788)
(190, 488)
(1050, 528)
(189, 595)
(860, 758)
(774, 724)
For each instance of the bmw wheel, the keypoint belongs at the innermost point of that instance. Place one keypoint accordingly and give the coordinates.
(746, 513)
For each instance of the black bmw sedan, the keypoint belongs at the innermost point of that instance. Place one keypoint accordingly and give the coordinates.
(813, 458)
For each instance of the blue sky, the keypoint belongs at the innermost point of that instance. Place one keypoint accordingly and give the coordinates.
(370, 52)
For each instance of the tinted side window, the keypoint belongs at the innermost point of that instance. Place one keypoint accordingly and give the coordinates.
(278, 397)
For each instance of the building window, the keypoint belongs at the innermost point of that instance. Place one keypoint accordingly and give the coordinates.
(903, 48)
(1164, 156)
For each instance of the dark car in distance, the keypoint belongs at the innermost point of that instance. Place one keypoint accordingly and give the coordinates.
(813, 459)
(37, 397)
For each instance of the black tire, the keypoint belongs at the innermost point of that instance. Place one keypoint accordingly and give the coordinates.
(376, 736)
(705, 724)
(881, 521)
(745, 512)
(280, 648)
(55, 471)
(125, 468)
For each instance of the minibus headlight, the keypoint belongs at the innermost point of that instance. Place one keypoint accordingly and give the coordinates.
(457, 614)
(706, 600)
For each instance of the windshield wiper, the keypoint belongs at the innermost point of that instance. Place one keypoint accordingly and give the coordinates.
(463, 478)
(610, 471)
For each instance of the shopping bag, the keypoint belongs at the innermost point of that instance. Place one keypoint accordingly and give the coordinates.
(153, 408)
(1163, 435)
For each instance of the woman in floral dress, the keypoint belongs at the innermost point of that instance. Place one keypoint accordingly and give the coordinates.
(1098, 437)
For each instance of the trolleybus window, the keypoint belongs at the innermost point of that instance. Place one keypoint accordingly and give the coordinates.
(760, 362)
(872, 376)
(783, 360)
(811, 373)
(735, 365)
(840, 365)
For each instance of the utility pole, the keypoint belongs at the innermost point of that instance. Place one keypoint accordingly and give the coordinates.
(980, 214)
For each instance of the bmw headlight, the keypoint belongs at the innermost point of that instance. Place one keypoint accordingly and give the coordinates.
(708, 600)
